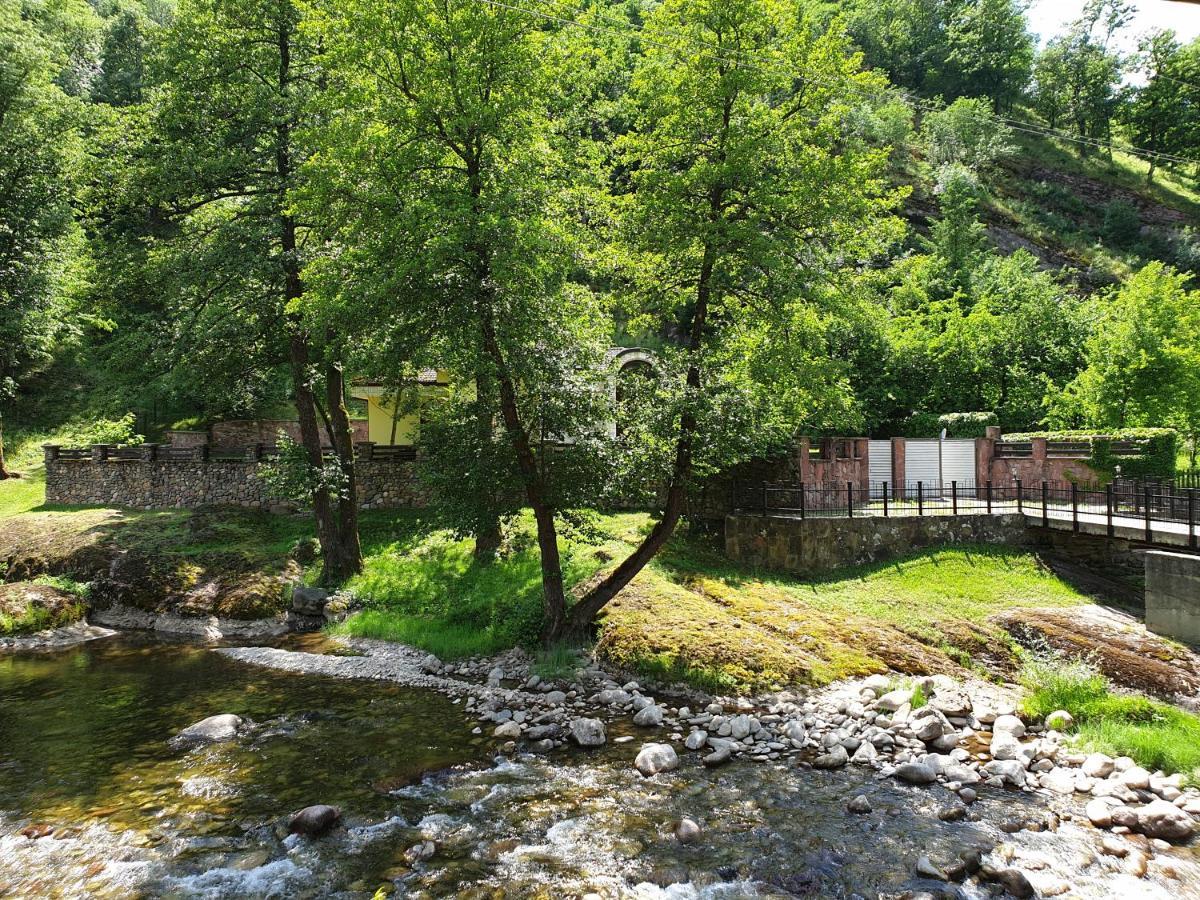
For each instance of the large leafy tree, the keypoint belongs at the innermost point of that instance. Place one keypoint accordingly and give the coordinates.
(1163, 115)
(990, 50)
(743, 201)
(38, 149)
(1142, 358)
(221, 161)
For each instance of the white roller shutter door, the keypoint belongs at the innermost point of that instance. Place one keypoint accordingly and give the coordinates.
(958, 463)
(879, 464)
(922, 463)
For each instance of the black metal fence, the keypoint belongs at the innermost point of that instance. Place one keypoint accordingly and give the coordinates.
(1124, 503)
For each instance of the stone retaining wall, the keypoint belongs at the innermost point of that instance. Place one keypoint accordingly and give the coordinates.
(163, 484)
(1173, 595)
(821, 544)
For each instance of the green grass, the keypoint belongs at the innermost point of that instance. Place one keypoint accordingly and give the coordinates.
(424, 588)
(1156, 735)
(20, 495)
(558, 662)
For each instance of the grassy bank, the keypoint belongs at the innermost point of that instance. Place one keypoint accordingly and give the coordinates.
(1155, 734)
(693, 616)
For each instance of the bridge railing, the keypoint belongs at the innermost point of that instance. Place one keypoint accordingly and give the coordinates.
(1125, 504)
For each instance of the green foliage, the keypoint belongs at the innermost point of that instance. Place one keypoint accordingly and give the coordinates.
(1157, 448)
(965, 133)
(290, 475)
(558, 662)
(1122, 224)
(967, 424)
(1156, 735)
(427, 590)
(97, 431)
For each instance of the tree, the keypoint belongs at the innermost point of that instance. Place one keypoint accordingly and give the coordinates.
(965, 133)
(744, 199)
(224, 155)
(38, 148)
(990, 50)
(1163, 115)
(1142, 358)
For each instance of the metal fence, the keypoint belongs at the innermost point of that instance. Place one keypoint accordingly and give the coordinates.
(1124, 503)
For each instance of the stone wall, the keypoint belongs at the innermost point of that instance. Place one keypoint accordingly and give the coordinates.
(163, 484)
(1173, 595)
(821, 544)
(243, 432)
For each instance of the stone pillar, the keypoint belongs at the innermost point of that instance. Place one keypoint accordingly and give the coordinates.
(365, 450)
(50, 451)
(985, 452)
(898, 444)
(862, 449)
(150, 452)
(1038, 460)
(100, 452)
(804, 457)
(991, 432)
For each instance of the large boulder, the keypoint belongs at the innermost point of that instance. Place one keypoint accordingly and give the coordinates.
(212, 730)
(655, 758)
(648, 716)
(952, 702)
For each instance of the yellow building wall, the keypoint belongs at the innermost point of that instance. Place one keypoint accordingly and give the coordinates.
(380, 413)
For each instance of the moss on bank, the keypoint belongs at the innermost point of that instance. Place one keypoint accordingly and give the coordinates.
(28, 607)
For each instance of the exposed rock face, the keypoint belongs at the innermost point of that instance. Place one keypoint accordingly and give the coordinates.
(314, 821)
(212, 730)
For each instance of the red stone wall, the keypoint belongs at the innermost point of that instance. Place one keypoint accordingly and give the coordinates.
(243, 432)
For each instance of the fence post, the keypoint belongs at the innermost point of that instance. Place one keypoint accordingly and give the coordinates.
(204, 452)
(802, 510)
(954, 497)
(1108, 508)
(1045, 505)
(1020, 498)
(764, 499)
(920, 498)
(885, 498)
(988, 489)
(1192, 518)
(1074, 506)
(1149, 530)
(850, 499)
(256, 451)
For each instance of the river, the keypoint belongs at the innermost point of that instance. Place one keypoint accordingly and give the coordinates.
(95, 803)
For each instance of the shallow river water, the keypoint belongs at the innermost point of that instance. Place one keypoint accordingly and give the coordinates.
(93, 802)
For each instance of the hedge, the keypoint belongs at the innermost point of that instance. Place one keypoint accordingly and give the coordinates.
(957, 424)
(1156, 459)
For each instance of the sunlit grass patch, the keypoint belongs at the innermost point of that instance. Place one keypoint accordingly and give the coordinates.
(1155, 734)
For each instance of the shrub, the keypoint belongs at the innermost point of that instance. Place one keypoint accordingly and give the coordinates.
(923, 424)
(1122, 224)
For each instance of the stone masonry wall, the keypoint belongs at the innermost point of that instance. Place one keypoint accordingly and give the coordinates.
(162, 484)
(821, 544)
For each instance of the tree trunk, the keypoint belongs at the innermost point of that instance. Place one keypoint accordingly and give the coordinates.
(337, 528)
(4, 473)
(554, 601)
(349, 547)
(487, 526)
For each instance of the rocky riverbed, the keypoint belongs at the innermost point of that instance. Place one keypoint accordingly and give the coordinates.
(183, 768)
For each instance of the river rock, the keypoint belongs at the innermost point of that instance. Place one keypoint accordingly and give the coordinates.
(834, 759)
(696, 740)
(588, 732)
(309, 601)
(916, 773)
(1099, 813)
(687, 831)
(893, 700)
(795, 732)
(655, 758)
(860, 805)
(1160, 819)
(431, 665)
(208, 731)
(495, 677)
(1136, 779)
(718, 757)
(1009, 769)
(508, 730)
(649, 716)
(613, 697)
(1060, 720)
(1097, 765)
(927, 724)
(865, 754)
(740, 727)
(420, 852)
(1015, 882)
(314, 821)
(555, 698)
(1005, 746)
(1008, 725)
(926, 869)
(953, 702)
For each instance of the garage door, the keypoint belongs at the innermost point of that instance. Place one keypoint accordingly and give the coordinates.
(958, 463)
(879, 465)
(922, 462)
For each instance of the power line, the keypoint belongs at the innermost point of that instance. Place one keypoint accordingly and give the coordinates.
(738, 58)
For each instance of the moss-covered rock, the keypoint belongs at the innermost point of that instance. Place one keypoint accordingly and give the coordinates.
(27, 607)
